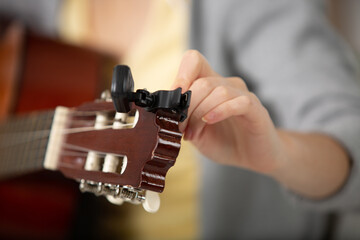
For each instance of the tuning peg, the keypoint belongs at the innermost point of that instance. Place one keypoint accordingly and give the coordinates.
(152, 201)
(115, 200)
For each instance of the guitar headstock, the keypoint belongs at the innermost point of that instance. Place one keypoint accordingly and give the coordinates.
(124, 156)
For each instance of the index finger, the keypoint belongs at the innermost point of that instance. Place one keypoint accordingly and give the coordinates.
(193, 66)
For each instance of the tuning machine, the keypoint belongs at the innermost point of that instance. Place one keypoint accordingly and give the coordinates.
(110, 163)
(117, 194)
(123, 98)
(122, 88)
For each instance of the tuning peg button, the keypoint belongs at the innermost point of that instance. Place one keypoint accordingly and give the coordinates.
(152, 201)
(114, 200)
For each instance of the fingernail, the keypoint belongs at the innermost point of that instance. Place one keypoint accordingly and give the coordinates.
(208, 118)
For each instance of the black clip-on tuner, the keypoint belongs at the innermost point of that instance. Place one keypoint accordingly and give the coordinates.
(122, 94)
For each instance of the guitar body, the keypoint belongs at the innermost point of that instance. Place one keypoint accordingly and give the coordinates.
(37, 74)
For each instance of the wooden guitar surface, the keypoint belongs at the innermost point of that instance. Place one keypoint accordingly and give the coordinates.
(36, 74)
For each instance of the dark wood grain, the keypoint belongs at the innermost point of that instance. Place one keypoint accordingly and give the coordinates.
(37, 74)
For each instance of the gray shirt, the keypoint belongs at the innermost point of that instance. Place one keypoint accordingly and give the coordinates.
(305, 75)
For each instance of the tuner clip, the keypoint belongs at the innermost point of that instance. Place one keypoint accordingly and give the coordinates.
(122, 88)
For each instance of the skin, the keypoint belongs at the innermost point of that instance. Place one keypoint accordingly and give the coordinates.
(109, 20)
(228, 124)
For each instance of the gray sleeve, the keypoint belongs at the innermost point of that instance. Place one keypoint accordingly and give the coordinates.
(304, 73)
(39, 15)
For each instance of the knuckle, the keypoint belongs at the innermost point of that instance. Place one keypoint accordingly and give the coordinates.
(242, 84)
(253, 97)
(203, 84)
(239, 82)
(246, 100)
(223, 91)
(241, 104)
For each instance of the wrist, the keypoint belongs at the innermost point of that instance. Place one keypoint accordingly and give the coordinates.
(286, 148)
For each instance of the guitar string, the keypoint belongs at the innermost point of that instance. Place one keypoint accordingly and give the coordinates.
(76, 113)
(41, 135)
(60, 122)
(61, 114)
(18, 137)
(74, 121)
(87, 129)
(73, 153)
(72, 112)
(83, 149)
(27, 162)
(15, 157)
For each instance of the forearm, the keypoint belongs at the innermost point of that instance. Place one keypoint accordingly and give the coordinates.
(314, 166)
(229, 124)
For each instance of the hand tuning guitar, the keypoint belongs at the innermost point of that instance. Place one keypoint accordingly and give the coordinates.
(122, 147)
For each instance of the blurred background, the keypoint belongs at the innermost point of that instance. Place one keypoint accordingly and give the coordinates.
(343, 14)
(75, 43)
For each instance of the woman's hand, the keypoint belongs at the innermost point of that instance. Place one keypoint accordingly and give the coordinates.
(228, 124)
(226, 121)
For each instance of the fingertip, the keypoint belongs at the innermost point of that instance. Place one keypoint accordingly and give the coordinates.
(188, 134)
(179, 83)
(192, 54)
(192, 67)
(183, 126)
(176, 84)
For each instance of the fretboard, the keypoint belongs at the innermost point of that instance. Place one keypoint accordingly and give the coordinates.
(23, 142)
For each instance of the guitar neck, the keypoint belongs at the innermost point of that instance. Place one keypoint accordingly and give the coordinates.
(23, 143)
